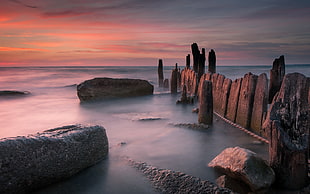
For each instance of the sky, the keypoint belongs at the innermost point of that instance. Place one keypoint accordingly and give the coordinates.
(139, 32)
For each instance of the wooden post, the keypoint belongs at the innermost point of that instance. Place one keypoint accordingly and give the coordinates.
(160, 73)
(205, 115)
(212, 61)
(276, 76)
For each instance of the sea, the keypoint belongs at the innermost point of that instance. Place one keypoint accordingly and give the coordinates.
(141, 128)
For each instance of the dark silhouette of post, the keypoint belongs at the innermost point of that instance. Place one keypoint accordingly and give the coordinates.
(205, 115)
(212, 61)
(276, 76)
(174, 80)
(188, 61)
(196, 53)
(160, 73)
(202, 63)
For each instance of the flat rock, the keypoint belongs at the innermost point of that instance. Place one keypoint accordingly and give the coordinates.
(168, 181)
(195, 126)
(13, 93)
(34, 161)
(108, 88)
(244, 165)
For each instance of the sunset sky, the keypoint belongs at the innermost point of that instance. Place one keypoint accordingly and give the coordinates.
(139, 32)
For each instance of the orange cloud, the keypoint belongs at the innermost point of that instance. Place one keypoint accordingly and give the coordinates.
(9, 49)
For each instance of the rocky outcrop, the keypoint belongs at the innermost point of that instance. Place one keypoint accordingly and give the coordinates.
(205, 114)
(212, 61)
(233, 99)
(260, 104)
(245, 166)
(13, 93)
(276, 76)
(34, 161)
(160, 73)
(246, 100)
(287, 127)
(107, 88)
(172, 182)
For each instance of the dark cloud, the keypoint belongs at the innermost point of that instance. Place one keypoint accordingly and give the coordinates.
(23, 4)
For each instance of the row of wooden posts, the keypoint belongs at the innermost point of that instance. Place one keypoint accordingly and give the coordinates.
(245, 101)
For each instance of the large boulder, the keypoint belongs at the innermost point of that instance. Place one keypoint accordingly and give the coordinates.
(246, 166)
(30, 162)
(107, 88)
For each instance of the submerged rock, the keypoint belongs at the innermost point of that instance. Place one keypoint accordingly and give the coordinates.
(196, 126)
(107, 88)
(30, 162)
(244, 165)
(13, 93)
(168, 181)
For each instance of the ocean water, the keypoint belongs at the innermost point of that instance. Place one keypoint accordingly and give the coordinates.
(53, 103)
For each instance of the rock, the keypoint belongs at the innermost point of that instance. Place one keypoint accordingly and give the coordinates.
(13, 93)
(160, 73)
(287, 128)
(150, 119)
(195, 110)
(224, 97)
(166, 83)
(276, 76)
(108, 88)
(172, 182)
(195, 126)
(205, 114)
(260, 103)
(233, 99)
(246, 100)
(188, 61)
(233, 184)
(244, 165)
(212, 61)
(196, 54)
(34, 161)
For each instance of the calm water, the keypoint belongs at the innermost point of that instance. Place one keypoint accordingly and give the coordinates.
(53, 103)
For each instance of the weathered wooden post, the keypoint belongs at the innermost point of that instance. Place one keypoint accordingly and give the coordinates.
(212, 61)
(260, 103)
(188, 61)
(196, 53)
(166, 83)
(201, 63)
(174, 81)
(287, 127)
(160, 73)
(276, 76)
(246, 99)
(205, 114)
